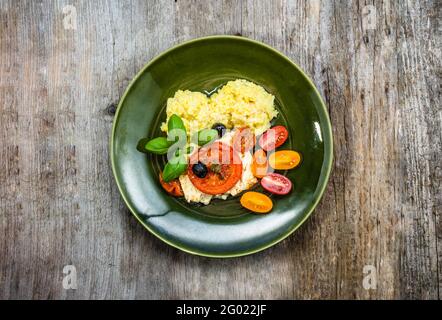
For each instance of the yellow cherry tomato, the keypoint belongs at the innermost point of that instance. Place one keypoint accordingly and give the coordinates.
(256, 202)
(260, 164)
(284, 159)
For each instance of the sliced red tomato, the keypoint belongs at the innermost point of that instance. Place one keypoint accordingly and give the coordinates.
(276, 183)
(273, 138)
(173, 187)
(224, 168)
(244, 139)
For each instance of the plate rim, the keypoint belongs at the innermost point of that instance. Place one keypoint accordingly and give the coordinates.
(328, 155)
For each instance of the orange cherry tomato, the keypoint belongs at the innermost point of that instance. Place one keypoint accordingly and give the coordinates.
(243, 140)
(224, 168)
(173, 187)
(284, 159)
(273, 138)
(260, 164)
(256, 202)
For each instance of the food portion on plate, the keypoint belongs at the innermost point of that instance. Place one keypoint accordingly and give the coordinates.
(221, 145)
(237, 104)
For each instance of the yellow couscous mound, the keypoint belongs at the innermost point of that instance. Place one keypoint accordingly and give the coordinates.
(239, 103)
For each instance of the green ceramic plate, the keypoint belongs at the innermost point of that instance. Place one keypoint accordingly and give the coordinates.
(224, 228)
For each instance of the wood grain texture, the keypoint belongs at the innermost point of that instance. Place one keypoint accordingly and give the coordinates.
(59, 205)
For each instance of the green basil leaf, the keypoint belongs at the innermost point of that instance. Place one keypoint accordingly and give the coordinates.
(174, 168)
(206, 136)
(187, 149)
(141, 145)
(177, 138)
(175, 123)
(158, 145)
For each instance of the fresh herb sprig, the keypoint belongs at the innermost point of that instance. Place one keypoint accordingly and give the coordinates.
(175, 146)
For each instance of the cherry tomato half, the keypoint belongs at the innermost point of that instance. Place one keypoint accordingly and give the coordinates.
(256, 202)
(173, 187)
(243, 140)
(224, 168)
(276, 183)
(260, 164)
(284, 159)
(273, 138)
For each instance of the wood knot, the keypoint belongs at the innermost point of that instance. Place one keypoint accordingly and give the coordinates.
(111, 109)
(366, 39)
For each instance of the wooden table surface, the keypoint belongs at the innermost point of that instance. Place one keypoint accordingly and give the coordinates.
(65, 64)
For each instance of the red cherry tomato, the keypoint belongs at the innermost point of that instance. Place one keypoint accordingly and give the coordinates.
(243, 140)
(273, 138)
(276, 183)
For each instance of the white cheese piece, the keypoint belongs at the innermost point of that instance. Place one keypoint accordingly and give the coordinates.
(192, 194)
(227, 137)
(247, 178)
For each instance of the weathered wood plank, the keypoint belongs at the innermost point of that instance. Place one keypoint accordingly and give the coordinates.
(377, 65)
(419, 133)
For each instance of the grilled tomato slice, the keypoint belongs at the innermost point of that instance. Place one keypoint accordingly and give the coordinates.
(173, 187)
(224, 168)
